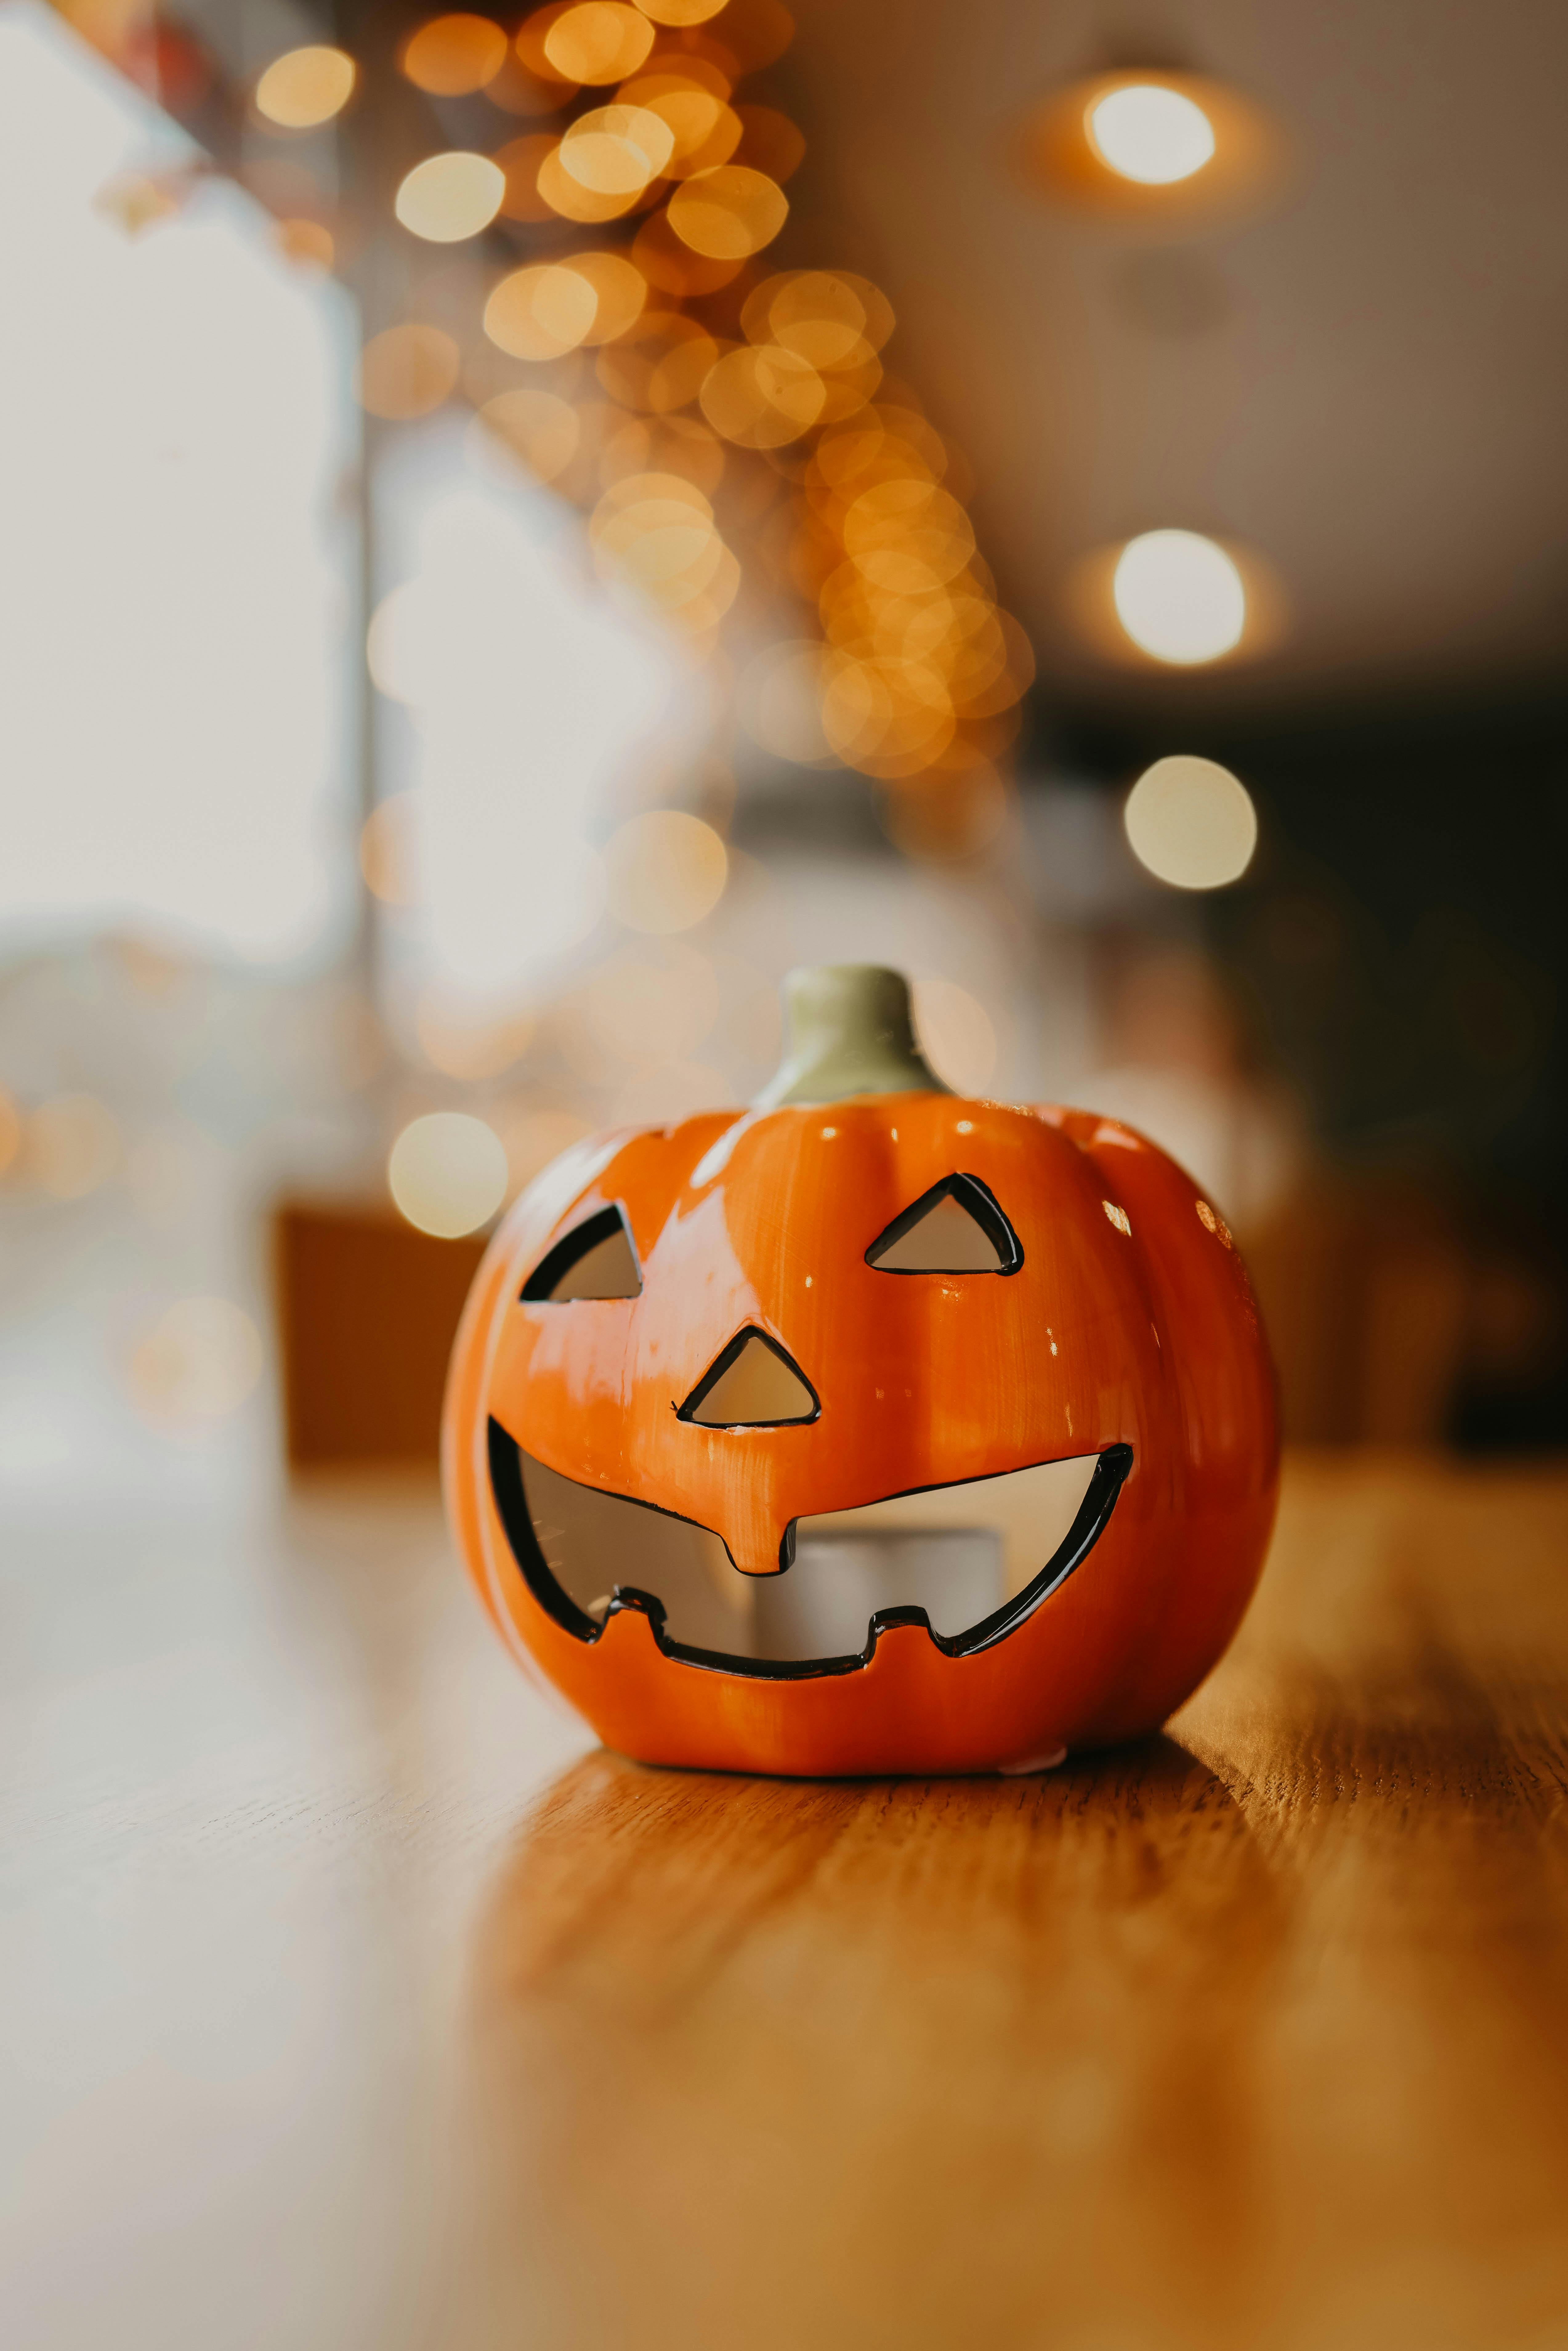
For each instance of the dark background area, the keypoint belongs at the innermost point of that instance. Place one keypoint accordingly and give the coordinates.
(1400, 949)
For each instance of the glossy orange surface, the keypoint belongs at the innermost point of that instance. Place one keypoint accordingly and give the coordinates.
(1137, 1327)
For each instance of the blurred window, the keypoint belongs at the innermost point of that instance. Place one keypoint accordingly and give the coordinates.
(521, 702)
(176, 702)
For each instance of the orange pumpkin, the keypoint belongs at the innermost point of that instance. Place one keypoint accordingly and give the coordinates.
(872, 1429)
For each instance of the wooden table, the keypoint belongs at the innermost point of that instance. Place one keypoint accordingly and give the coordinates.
(351, 2001)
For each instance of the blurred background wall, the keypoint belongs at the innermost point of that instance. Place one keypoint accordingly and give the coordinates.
(519, 530)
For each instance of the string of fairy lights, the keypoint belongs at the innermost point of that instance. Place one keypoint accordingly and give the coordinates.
(728, 426)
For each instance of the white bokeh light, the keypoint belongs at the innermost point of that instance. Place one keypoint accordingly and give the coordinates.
(1151, 133)
(448, 1173)
(1179, 597)
(1191, 822)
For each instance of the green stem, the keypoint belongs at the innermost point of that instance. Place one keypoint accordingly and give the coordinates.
(848, 1030)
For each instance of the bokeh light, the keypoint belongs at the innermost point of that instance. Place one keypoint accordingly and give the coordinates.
(762, 399)
(755, 33)
(308, 242)
(540, 312)
(452, 55)
(598, 41)
(1191, 822)
(198, 1364)
(826, 317)
(666, 871)
(956, 1033)
(671, 265)
(654, 533)
(729, 212)
(528, 46)
(72, 1145)
(658, 444)
(539, 428)
(392, 645)
(680, 12)
(1179, 597)
(1167, 150)
(859, 507)
(704, 129)
(659, 365)
(470, 1041)
(769, 141)
(568, 196)
(389, 849)
(615, 150)
(1151, 133)
(447, 1173)
(305, 86)
(779, 702)
(134, 201)
(533, 1137)
(407, 371)
(452, 196)
(620, 292)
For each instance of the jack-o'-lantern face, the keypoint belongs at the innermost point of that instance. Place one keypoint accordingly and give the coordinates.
(898, 1432)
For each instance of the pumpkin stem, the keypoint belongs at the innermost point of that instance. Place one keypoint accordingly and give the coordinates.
(848, 1030)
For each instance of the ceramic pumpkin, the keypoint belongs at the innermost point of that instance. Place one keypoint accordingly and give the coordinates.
(872, 1429)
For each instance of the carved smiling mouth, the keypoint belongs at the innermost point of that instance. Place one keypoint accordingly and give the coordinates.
(968, 1562)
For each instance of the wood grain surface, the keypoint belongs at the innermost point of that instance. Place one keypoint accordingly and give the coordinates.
(350, 2000)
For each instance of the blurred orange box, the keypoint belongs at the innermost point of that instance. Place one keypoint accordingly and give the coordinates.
(367, 1311)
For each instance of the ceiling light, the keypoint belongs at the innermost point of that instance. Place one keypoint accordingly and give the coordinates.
(1179, 597)
(1163, 150)
(1151, 133)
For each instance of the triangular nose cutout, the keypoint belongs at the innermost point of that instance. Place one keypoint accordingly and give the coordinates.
(956, 1227)
(751, 1384)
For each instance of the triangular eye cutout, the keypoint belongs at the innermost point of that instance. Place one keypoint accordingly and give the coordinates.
(596, 1259)
(956, 1227)
(751, 1384)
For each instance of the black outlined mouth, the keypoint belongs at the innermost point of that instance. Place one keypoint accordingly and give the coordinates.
(957, 1559)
